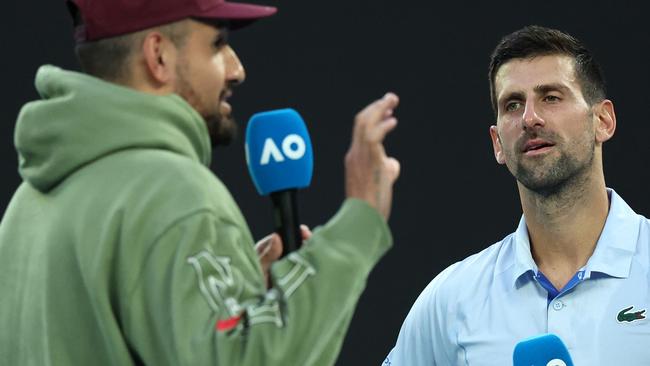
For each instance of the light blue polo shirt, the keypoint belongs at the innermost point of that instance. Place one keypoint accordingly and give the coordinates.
(475, 311)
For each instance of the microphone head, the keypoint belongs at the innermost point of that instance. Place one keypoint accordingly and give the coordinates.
(278, 151)
(541, 350)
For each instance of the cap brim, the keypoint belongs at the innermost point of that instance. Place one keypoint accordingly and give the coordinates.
(238, 15)
(230, 11)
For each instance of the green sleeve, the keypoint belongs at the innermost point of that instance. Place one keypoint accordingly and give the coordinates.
(201, 300)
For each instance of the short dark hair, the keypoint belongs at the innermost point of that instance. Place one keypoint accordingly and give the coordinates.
(107, 58)
(533, 41)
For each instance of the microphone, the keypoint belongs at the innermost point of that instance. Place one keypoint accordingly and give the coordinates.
(280, 161)
(541, 350)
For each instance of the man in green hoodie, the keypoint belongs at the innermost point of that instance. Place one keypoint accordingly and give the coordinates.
(121, 247)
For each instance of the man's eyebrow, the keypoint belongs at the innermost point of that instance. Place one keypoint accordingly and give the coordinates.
(510, 96)
(545, 88)
(539, 89)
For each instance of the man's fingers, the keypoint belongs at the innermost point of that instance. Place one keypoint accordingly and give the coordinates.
(263, 245)
(369, 173)
(378, 132)
(375, 113)
(269, 249)
(305, 232)
(378, 108)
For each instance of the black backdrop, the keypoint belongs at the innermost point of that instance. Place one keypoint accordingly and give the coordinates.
(328, 59)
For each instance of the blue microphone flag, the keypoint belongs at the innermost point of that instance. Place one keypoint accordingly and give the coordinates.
(278, 151)
(541, 350)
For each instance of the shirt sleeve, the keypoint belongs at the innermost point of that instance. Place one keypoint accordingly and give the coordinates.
(201, 298)
(423, 339)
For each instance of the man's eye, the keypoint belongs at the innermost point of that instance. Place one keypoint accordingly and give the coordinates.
(219, 43)
(551, 98)
(512, 106)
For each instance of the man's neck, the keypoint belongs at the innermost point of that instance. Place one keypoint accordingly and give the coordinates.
(564, 227)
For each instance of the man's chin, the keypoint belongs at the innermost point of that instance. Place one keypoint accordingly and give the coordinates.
(543, 187)
(547, 180)
(222, 130)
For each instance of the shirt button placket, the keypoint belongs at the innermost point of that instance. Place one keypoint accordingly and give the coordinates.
(559, 319)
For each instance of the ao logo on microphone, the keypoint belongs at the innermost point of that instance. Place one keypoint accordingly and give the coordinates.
(279, 154)
(293, 147)
(556, 362)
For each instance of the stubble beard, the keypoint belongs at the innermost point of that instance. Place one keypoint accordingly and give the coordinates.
(222, 129)
(562, 175)
(566, 172)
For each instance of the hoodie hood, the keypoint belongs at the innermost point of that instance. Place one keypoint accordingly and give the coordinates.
(81, 119)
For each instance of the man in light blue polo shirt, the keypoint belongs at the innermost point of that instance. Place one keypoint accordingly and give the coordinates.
(578, 264)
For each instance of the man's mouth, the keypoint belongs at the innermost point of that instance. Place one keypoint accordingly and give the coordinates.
(224, 106)
(536, 146)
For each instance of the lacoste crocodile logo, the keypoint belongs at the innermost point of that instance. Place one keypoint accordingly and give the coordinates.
(624, 316)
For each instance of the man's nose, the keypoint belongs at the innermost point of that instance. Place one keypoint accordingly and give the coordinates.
(531, 117)
(235, 73)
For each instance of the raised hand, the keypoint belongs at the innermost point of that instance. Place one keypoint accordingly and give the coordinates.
(369, 172)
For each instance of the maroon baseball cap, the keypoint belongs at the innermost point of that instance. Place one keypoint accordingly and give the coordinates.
(97, 19)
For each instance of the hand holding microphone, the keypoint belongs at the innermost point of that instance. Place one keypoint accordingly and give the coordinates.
(269, 249)
(369, 172)
(280, 161)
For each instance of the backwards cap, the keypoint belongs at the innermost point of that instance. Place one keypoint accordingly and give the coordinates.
(110, 18)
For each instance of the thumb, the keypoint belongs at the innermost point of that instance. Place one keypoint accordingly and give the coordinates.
(394, 167)
(271, 251)
(263, 245)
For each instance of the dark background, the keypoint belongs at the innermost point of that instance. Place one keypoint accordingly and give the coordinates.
(328, 59)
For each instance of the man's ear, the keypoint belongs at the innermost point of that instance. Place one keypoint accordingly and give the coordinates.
(159, 55)
(496, 145)
(605, 119)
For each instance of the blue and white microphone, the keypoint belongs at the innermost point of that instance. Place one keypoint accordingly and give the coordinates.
(541, 350)
(280, 161)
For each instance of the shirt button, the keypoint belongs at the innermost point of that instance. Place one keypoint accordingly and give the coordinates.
(558, 305)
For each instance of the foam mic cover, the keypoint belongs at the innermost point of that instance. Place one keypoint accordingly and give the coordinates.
(280, 160)
(278, 151)
(541, 350)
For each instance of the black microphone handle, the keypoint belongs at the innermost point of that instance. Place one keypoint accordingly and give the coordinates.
(285, 219)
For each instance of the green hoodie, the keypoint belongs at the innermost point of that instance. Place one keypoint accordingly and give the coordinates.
(121, 247)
